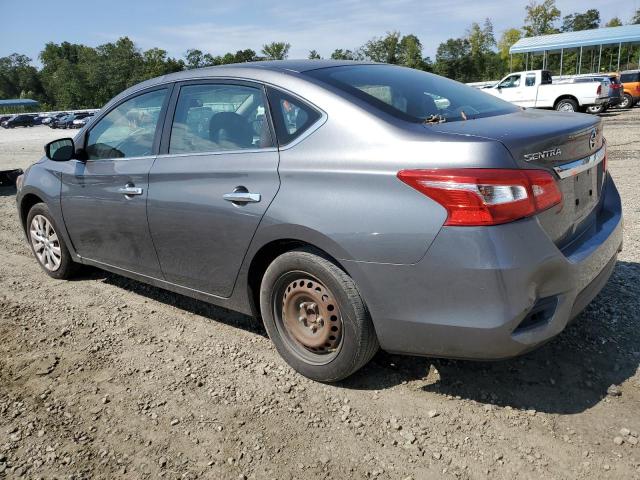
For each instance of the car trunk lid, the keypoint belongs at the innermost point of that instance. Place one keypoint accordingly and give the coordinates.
(566, 144)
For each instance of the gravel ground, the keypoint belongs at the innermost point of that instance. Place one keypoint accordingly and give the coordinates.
(104, 377)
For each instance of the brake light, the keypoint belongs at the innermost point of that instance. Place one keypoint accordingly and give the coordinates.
(477, 196)
(599, 91)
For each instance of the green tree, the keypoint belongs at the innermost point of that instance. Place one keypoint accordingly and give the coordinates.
(453, 60)
(340, 54)
(395, 49)
(156, 63)
(635, 20)
(19, 79)
(314, 55)
(614, 22)
(410, 53)
(541, 18)
(383, 49)
(276, 50)
(194, 58)
(481, 45)
(507, 40)
(588, 20)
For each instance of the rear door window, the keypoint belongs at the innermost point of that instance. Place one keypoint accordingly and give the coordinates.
(218, 117)
(292, 116)
(530, 80)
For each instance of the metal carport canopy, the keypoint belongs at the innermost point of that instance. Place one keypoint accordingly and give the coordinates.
(583, 38)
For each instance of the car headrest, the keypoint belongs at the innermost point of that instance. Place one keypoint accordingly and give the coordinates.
(230, 127)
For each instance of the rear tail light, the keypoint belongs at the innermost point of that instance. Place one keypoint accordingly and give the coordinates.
(475, 197)
(599, 91)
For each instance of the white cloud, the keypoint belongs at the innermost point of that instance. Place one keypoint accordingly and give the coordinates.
(332, 24)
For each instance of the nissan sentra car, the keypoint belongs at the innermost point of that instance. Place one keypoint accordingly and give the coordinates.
(351, 206)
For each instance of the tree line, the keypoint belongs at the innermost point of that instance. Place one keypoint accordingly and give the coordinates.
(74, 76)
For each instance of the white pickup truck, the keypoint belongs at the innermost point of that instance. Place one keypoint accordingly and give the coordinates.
(536, 89)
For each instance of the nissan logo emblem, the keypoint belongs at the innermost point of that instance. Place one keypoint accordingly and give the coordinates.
(592, 139)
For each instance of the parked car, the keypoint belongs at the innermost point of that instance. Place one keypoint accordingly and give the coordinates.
(537, 89)
(52, 118)
(18, 121)
(341, 203)
(39, 119)
(81, 121)
(67, 120)
(611, 89)
(631, 88)
(4, 117)
(616, 95)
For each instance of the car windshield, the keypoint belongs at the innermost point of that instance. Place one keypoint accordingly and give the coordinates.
(412, 95)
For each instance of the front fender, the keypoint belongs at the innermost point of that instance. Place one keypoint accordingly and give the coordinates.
(42, 183)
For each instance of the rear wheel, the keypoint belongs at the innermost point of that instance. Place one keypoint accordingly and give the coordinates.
(567, 105)
(315, 316)
(47, 245)
(595, 109)
(627, 101)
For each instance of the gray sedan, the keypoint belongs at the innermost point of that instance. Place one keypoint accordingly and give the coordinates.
(351, 206)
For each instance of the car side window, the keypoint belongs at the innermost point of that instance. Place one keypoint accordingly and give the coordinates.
(128, 130)
(510, 82)
(217, 117)
(530, 80)
(291, 116)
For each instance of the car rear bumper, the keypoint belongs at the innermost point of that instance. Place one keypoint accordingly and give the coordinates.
(490, 292)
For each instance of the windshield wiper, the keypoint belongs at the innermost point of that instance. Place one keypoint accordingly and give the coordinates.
(434, 119)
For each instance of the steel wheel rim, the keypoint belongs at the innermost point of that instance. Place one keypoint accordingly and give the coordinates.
(308, 317)
(625, 102)
(45, 243)
(566, 107)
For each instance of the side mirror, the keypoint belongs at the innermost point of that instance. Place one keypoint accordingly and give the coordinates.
(60, 150)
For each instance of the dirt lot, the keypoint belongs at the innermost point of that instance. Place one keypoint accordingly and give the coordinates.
(104, 377)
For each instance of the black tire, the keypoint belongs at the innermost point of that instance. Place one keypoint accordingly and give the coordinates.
(627, 101)
(597, 109)
(67, 267)
(358, 342)
(567, 105)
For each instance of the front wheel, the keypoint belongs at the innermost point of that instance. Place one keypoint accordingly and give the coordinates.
(315, 316)
(47, 245)
(567, 105)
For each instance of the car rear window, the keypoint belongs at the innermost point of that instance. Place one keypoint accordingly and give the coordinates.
(412, 95)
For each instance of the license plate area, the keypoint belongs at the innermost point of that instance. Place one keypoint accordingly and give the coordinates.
(586, 192)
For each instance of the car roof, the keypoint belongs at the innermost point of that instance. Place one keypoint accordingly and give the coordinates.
(297, 66)
(248, 70)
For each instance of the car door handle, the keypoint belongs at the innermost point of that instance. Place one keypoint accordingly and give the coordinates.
(130, 190)
(242, 197)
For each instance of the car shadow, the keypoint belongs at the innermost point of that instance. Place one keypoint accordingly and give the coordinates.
(197, 307)
(610, 113)
(569, 374)
(7, 191)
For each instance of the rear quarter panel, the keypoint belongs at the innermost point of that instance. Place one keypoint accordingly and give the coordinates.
(339, 189)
